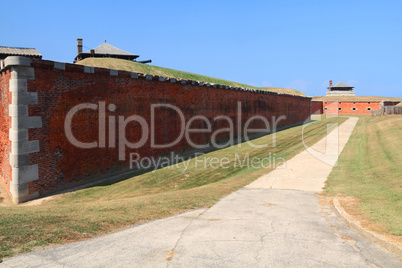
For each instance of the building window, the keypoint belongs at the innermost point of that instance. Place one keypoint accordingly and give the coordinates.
(354, 109)
(339, 108)
(368, 109)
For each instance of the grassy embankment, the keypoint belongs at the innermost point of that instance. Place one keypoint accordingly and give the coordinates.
(112, 206)
(132, 66)
(370, 171)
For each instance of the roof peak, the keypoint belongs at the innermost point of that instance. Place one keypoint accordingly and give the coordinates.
(341, 84)
(106, 48)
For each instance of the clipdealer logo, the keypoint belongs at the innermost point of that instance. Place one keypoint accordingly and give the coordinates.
(107, 124)
(174, 161)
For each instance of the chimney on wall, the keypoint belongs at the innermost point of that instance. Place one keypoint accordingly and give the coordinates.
(330, 85)
(79, 46)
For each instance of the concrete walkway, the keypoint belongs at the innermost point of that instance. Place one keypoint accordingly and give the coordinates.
(309, 170)
(277, 221)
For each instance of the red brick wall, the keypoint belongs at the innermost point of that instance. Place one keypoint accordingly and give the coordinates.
(5, 125)
(331, 107)
(317, 107)
(62, 164)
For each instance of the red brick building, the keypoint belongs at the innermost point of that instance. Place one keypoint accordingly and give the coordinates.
(341, 99)
(355, 104)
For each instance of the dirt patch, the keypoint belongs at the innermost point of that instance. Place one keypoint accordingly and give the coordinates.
(40, 201)
(5, 199)
(346, 237)
(170, 255)
(351, 206)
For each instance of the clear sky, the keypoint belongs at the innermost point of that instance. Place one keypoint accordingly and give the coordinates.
(282, 43)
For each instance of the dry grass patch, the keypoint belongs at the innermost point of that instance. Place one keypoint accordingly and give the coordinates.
(369, 170)
(131, 66)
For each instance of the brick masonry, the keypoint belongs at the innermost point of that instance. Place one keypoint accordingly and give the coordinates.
(47, 161)
(317, 107)
(351, 107)
(22, 172)
(5, 125)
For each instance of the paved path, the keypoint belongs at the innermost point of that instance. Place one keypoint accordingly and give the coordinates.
(309, 170)
(269, 223)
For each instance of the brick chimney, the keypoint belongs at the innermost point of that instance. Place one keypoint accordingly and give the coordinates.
(79, 46)
(330, 85)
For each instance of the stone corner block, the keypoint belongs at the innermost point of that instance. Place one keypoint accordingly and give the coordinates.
(18, 134)
(25, 147)
(17, 61)
(17, 110)
(25, 174)
(20, 193)
(25, 122)
(18, 160)
(22, 72)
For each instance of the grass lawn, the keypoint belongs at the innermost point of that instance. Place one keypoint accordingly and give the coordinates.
(132, 66)
(370, 170)
(112, 206)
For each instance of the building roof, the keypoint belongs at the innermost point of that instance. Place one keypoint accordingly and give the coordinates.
(107, 51)
(106, 48)
(341, 84)
(20, 51)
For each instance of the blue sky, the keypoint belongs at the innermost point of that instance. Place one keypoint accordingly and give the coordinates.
(297, 44)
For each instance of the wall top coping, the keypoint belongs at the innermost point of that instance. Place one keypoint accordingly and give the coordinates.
(24, 61)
